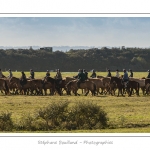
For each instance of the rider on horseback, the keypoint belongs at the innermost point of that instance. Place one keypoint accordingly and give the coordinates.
(81, 78)
(131, 73)
(1, 74)
(117, 73)
(58, 77)
(10, 73)
(93, 74)
(47, 74)
(125, 78)
(148, 73)
(109, 73)
(23, 79)
(86, 74)
(32, 74)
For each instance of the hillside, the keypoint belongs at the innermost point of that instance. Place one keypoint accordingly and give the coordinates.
(98, 59)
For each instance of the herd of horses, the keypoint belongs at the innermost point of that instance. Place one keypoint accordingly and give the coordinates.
(69, 86)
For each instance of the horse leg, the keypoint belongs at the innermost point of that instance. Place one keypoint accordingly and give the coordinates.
(93, 93)
(137, 92)
(97, 91)
(86, 93)
(143, 90)
(118, 92)
(121, 92)
(130, 92)
(41, 90)
(24, 91)
(16, 91)
(45, 91)
(75, 93)
(108, 90)
(82, 91)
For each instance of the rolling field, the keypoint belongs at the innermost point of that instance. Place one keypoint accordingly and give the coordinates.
(126, 114)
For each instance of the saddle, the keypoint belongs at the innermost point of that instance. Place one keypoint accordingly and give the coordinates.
(79, 82)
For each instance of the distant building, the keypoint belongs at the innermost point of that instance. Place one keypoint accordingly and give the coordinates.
(47, 48)
(122, 47)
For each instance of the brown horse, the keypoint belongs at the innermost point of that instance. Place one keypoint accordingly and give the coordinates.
(15, 83)
(54, 84)
(130, 86)
(141, 83)
(99, 84)
(110, 87)
(68, 79)
(29, 87)
(88, 85)
(63, 85)
(3, 86)
(12, 86)
(48, 86)
(38, 85)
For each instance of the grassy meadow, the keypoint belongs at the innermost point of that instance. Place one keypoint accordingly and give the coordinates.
(126, 114)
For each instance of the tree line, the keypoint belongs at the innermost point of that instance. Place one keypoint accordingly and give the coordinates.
(99, 59)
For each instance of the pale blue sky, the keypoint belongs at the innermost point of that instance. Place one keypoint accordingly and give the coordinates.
(75, 31)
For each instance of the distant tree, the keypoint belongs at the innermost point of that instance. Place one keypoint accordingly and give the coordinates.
(30, 48)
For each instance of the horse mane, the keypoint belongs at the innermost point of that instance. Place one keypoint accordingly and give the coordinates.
(50, 79)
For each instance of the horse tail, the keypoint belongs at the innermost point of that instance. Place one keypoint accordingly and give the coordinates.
(43, 83)
(6, 87)
(94, 88)
(138, 87)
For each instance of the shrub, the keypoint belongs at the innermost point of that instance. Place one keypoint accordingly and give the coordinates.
(80, 116)
(61, 116)
(87, 115)
(54, 114)
(25, 123)
(6, 123)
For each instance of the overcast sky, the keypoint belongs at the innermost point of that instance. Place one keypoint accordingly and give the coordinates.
(75, 31)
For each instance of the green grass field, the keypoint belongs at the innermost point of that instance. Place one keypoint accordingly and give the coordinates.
(126, 114)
